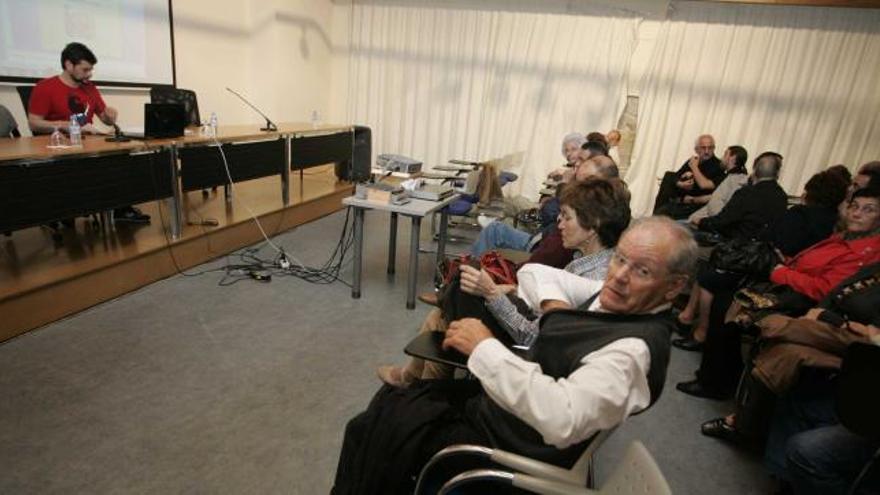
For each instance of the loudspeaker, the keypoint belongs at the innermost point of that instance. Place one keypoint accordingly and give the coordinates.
(358, 169)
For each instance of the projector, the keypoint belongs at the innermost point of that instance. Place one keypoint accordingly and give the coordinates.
(398, 163)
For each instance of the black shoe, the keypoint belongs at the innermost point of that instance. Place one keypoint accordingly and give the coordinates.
(696, 389)
(688, 344)
(718, 428)
(130, 214)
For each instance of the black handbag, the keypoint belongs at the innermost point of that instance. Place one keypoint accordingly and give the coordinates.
(744, 256)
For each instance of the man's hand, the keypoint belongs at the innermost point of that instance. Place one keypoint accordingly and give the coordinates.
(687, 199)
(686, 181)
(109, 116)
(464, 335)
(478, 282)
(694, 162)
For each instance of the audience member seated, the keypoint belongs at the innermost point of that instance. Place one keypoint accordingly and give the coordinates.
(8, 126)
(754, 207)
(587, 371)
(594, 214)
(736, 175)
(788, 345)
(698, 177)
(613, 140)
(56, 99)
(748, 213)
(497, 234)
(813, 219)
(571, 145)
(808, 276)
(828, 460)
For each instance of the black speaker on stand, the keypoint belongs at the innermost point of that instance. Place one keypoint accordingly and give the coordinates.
(358, 169)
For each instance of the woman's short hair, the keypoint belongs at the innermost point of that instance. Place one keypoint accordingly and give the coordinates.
(601, 205)
(841, 170)
(827, 189)
(866, 192)
(598, 137)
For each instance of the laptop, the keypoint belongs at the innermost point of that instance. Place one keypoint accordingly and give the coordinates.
(161, 120)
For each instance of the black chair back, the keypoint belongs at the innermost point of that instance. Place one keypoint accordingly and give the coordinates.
(857, 404)
(24, 92)
(185, 97)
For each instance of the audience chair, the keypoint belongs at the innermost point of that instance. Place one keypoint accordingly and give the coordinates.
(859, 375)
(636, 474)
(24, 92)
(580, 475)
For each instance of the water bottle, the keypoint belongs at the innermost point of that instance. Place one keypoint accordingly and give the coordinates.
(213, 124)
(75, 132)
(316, 120)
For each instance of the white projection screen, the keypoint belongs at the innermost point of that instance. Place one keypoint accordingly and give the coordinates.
(132, 39)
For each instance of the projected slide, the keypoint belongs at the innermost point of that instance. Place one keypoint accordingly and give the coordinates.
(131, 38)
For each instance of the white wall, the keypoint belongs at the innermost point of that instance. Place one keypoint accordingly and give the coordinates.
(274, 52)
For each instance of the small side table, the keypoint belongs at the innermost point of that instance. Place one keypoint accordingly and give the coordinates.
(416, 209)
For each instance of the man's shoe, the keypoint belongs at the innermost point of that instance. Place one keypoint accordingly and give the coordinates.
(430, 298)
(696, 389)
(485, 220)
(718, 428)
(688, 344)
(130, 214)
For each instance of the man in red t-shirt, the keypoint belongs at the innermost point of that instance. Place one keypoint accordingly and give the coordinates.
(55, 99)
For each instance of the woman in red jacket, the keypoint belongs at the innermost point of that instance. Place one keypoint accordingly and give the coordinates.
(816, 270)
(813, 273)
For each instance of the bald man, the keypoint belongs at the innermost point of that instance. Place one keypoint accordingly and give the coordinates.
(697, 178)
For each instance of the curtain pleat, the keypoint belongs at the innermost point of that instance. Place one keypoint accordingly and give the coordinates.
(800, 81)
(445, 80)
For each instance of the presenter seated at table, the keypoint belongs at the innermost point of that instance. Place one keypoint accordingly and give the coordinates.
(55, 99)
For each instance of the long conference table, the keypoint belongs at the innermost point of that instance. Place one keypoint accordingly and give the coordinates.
(40, 185)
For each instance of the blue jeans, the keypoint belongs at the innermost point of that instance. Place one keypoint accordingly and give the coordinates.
(827, 460)
(500, 235)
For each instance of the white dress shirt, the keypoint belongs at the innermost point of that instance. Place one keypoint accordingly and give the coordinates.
(537, 283)
(610, 384)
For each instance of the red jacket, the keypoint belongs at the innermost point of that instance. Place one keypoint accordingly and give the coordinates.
(819, 268)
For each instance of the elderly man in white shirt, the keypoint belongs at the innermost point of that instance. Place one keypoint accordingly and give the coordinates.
(588, 370)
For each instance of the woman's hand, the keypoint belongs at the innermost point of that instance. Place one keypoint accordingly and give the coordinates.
(813, 314)
(478, 282)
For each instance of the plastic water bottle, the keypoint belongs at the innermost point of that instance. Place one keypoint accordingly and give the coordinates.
(213, 124)
(75, 132)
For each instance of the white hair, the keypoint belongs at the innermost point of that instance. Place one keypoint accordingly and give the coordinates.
(576, 138)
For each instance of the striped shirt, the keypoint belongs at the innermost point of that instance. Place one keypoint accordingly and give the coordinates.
(524, 329)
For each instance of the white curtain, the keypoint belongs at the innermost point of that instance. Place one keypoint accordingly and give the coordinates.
(439, 80)
(804, 82)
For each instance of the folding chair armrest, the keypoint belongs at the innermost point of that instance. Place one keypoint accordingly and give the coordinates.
(523, 481)
(463, 450)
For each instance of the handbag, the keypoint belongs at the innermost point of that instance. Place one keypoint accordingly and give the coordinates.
(744, 256)
(501, 269)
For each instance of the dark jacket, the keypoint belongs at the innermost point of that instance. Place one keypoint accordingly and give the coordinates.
(713, 171)
(801, 227)
(749, 212)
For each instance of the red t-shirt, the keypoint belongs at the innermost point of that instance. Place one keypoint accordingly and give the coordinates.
(55, 100)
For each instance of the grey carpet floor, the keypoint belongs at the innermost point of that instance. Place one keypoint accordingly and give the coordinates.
(186, 386)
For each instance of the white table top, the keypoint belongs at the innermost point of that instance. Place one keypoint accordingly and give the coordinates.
(415, 207)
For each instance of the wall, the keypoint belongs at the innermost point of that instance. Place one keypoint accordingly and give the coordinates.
(274, 52)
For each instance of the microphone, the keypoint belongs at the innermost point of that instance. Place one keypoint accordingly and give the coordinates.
(117, 136)
(270, 126)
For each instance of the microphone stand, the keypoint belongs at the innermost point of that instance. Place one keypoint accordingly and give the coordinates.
(117, 136)
(270, 126)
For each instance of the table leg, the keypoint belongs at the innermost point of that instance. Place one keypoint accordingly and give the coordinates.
(412, 276)
(392, 244)
(441, 236)
(285, 173)
(176, 201)
(358, 252)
